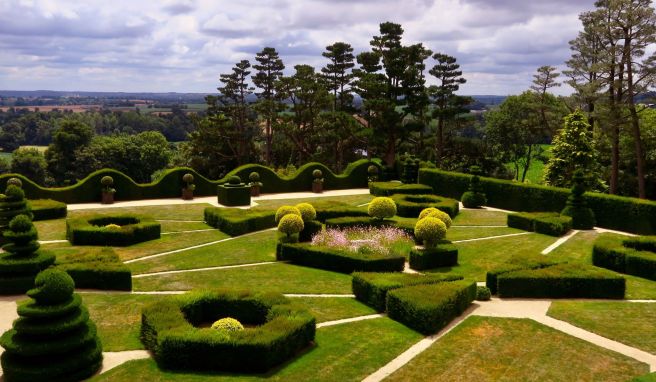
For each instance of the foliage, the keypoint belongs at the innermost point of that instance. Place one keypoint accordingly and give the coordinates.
(236, 222)
(46, 209)
(95, 268)
(290, 224)
(547, 223)
(633, 256)
(381, 240)
(438, 256)
(227, 324)
(307, 211)
(483, 293)
(31, 163)
(411, 205)
(577, 208)
(436, 213)
(430, 231)
(474, 197)
(382, 208)
(286, 210)
(90, 230)
(514, 263)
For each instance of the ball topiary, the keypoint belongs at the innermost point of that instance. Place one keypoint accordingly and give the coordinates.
(430, 231)
(15, 182)
(308, 213)
(382, 208)
(317, 174)
(436, 213)
(21, 223)
(254, 177)
(14, 193)
(52, 287)
(372, 170)
(483, 293)
(107, 181)
(228, 324)
(285, 210)
(188, 178)
(114, 227)
(291, 224)
(234, 180)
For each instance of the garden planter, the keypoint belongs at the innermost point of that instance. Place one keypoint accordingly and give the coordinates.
(107, 197)
(317, 187)
(187, 194)
(255, 190)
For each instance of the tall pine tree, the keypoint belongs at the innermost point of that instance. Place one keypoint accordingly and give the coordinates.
(337, 74)
(269, 70)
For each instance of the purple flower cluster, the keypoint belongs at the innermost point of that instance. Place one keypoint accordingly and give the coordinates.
(357, 239)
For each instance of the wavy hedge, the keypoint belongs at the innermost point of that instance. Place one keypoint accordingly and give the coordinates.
(170, 184)
(614, 212)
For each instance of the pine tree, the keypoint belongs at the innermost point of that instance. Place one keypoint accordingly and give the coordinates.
(543, 80)
(269, 70)
(337, 74)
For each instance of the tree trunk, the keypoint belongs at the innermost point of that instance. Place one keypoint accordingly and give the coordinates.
(635, 120)
(269, 142)
(528, 162)
(440, 140)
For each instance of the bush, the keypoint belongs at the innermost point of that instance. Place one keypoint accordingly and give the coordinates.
(91, 230)
(483, 293)
(53, 338)
(391, 188)
(337, 259)
(632, 256)
(547, 223)
(577, 208)
(430, 231)
(286, 210)
(276, 331)
(236, 222)
(516, 263)
(371, 287)
(46, 209)
(227, 324)
(429, 308)
(435, 213)
(307, 211)
(96, 268)
(442, 255)
(290, 224)
(410, 206)
(473, 199)
(382, 208)
(562, 281)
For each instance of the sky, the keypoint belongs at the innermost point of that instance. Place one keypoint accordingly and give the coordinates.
(183, 45)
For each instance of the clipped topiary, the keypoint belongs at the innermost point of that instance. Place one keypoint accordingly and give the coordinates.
(189, 180)
(291, 224)
(53, 339)
(317, 182)
(12, 203)
(107, 182)
(286, 210)
(254, 178)
(234, 180)
(15, 182)
(228, 325)
(430, 231)
(308, 213)
(22, 260)
(474, 196)
(576, 208)
(483, 293)
(382, 208)
(372, 172)
(436, 213)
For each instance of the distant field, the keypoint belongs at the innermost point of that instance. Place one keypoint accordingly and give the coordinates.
(73, 108)
(7, 156)
(536, 170)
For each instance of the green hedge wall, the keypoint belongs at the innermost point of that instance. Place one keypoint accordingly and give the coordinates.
(276, 330)
(562, 281)
(547, 223)
(97, 268)
(633, 256)
(235, 221)
(170, 185)
(443, 255)
(337, 260)
(371, 287)
(90, 230)
(429, 308)
(391, 188)
(46, 209)
(516, 263)
(614, 212)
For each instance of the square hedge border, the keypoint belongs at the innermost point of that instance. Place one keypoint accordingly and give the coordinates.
(169, 329)
(336, 260)
(236, 222)
(547, 223)
(632, 256)
(443, 255)
(411, 205)
(91, 230)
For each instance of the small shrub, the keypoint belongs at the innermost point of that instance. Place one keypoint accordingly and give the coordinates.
(227, 324)
(430, 231)
(382, 208)
(483, 293)
(436, 213)
(308, 213)
(286, 210)
(290, 224)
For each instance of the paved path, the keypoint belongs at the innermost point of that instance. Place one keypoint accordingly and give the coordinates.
(559, 242)
(349, 320)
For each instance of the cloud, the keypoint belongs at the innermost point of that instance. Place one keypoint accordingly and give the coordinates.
(183, 45)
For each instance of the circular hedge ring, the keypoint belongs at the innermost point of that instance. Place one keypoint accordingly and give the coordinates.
(102, 230)
(177, 331)
(410, 206)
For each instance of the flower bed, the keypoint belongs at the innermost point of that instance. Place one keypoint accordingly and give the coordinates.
(112, 230)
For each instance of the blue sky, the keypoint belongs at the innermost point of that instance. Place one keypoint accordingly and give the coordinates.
(183, 45)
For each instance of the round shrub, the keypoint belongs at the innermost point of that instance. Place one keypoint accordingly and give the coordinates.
(14, 193)
(471, 199)
(483, 293)
(52, 287)
(113, 226)
(234, 180)
(286, 210)
(382, 208)
(188, 178)
(14, 182)
(107, 181)
(291, 224)
(317, 174)
(430, 230)
(254, 177)
(228, 324)
(436, 213)
(308, 213)
(20, 223)
(372, 170)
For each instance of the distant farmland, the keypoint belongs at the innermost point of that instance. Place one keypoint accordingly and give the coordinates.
(47, 108)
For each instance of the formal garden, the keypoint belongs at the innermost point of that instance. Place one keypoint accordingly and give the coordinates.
(323, 276)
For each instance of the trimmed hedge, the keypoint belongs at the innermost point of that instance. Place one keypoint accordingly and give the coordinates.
(516, 263)
(235, 221)
(547, 223)
(371, 287)
(562, 281)
(96, 269)
(614, 212)
(46, 209)
(92, 231)
(391, 188)
(443, 255)
(171, 330)
(310, 229)
(338, 260)
(234, 195)
(169, 185)
(410, 206)
(632, 256)
(429, 308)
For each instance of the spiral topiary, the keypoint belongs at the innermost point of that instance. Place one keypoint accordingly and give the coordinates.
(285, 210)
(576, 207)
(382, 208)
(308, 213)
(15, 182)
(474, 196)
(430, 231)
(436, 213)
(228, 324)
(12, 203)
(53, 338)
(291, 224)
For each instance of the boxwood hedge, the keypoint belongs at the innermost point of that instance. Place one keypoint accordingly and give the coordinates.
(429, 308)
(46, 209)
(275, 331)
(93, 230)
(442, 255)
(516, 263)
(614, 212)
(371, 287)
(410, 206)
(338, 260)
(391, 188)
(547, 223)
(235, 221)
(633, 256)
(95, 268)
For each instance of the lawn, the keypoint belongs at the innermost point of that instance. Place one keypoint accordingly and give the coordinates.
(353, 200)
(480, 217)
(168, 243)
(501, 349)
(630, 323)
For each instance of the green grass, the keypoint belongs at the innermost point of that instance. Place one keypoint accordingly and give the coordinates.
(51, 229)
(465, 233)
(256, 248)
(353, 200)
(281, 278)
(535, 171)
(347, 352)
(630, 323)
(168, 243)
(177, 226)
(333, 308)
(500, 349)
(480, 217)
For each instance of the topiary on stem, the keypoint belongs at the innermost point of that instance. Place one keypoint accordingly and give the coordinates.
(372, 172)
(286, 210)
(576, 208)
(430, 231)
(254, 178)
(474, 197)
(291, 224)
(308, 213)
(318, 176)
(382, 208)
(436, 213)
(53, 338)
(189, 180)
(107, 182)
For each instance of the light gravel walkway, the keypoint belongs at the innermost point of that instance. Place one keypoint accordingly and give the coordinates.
(492, 237)
(349, 320)
(559, 242)
(114, 359)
